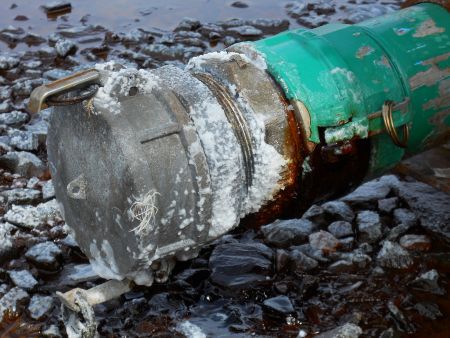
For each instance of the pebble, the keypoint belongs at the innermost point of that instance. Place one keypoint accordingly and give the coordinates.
(340, 229)
(12, 300)
(339, 210)
(285, 233)
(392, 255)
(415, 242)
(239, 4)
(40, 306)
(386, 205)
(8, 61)
(280, 305)
(21, 196)
(48, 190)
(24, 163)
(65, 47)
(369, 193)
(405, 216)
(429, 310)
(30, 217)
(14, 119)
(44, 255)
(429, 282)
(239, 264)
(324, 241)
(23, 279)
(369, 226)
(23, 140)
(345, 331)
(299, 262)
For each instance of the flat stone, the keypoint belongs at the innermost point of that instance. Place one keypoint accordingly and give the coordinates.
(284, 233)
(299, 262)
(429, 282)
(430, 205)
(415, 242)
(345, 331)
(394, 256)
(21, 196)
(339, 210)
(340, 229)
(324, 241)
(341, 266)
(280, 305)
(14, 118)
(369, 226)
(369, 193)
(23, 163)
(405, 216)
(40, 306)
(30, 217)
(386, 205)
(23, 279)
(317, 215)
(12, 300)
(240, 264)
(44, 255)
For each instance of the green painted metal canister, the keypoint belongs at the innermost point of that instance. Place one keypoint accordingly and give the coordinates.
(339, 77)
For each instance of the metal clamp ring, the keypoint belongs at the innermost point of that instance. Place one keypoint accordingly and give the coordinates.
(61, 100)
(386, 112)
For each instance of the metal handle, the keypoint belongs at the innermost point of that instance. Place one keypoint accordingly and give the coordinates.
(40, 94)
(386, 113)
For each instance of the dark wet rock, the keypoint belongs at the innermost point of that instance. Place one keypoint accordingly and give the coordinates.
(48, 190)
(21, 196)
(369, 193)
(44, 255)
(428, 282)
(429, 310)
(299, 262)
(324, 241)
(65, 47)
(285, 233)
(309, 251)
(405, 216)
(340, 229)
(163, 303)
(397, 231)
(23, 140)
(23, 163)
(316, 214)
(430, 205)
(40, 306)
(386, 205)
(392, 255)
(358, 258)
(280, 305)
(30, 217)
(13, 300)
(23, 279)
(57, 6)
(369, 226)
(365, 248)
(341, 266)
(415, 242)
(244, 31)
(188, 24)
(240, 265)
(14, 118)
(33, 39)
(399, 319)
(7, 248)
(193, 276)
(229, 40)
(339, 210)
(347, 243)
(8, 61)
(345, 331)
(239, 4)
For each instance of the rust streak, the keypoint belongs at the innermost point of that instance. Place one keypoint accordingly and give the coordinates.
(364, 51)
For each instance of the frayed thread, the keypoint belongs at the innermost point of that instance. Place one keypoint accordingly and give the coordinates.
(145, 210)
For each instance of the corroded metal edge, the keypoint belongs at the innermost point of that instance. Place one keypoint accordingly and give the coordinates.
(443, 3)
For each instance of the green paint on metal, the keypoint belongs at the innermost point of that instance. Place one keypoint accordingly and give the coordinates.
(344, 73)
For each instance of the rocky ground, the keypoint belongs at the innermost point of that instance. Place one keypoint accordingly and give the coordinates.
(376, 262)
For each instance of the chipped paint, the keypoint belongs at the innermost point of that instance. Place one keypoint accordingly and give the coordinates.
(401, 31)
(364, 51)
(432, 75)
(443, 100)
(426, 28)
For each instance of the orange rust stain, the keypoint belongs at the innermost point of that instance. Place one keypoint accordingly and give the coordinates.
(432, 75)
(364, 51)
(427, 28)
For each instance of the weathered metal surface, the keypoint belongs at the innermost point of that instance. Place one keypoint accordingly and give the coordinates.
(342, 75)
